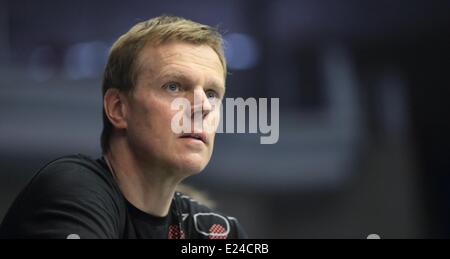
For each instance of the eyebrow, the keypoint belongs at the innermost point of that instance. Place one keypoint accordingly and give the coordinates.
(182, 77)
(174, 75)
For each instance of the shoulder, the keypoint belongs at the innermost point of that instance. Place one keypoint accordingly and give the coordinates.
(71, 173)
(205, 222)
(76, 179)
(74, 182)
(72, 165)
(71, 194)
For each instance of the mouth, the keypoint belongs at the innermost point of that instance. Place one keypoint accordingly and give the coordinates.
(197, 136)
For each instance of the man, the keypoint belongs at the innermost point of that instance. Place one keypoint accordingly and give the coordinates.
(131, 191)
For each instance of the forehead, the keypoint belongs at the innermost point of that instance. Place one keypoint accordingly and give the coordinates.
(181, 58)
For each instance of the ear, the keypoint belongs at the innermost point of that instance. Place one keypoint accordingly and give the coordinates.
(115, 107)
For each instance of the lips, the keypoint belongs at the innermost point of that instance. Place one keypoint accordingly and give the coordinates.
(199, 136)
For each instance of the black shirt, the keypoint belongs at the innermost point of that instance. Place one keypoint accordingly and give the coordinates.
(77, 197)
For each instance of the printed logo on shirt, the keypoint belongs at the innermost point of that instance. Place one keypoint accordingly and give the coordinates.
(218, 230)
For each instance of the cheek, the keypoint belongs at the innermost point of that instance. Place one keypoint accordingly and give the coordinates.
(155, 112)
(150, 129)
(149, 117)
(212, 122)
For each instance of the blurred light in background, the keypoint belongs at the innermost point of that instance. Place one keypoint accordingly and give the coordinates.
(41, 65)
(241, 51)
(86, 60)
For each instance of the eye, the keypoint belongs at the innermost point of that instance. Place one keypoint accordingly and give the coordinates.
(212, 95)
(172, 87)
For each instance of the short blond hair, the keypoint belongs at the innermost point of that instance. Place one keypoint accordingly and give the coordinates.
(121, 70)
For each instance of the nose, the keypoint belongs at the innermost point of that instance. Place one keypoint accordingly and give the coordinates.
(201, 103)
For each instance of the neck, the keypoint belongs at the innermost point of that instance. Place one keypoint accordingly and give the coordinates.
(148, 187)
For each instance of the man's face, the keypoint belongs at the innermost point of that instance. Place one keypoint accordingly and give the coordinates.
(166, 72)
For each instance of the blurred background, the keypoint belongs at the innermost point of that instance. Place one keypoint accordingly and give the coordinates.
(364, 132)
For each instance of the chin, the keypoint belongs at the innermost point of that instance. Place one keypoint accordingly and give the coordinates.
(193, 165)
